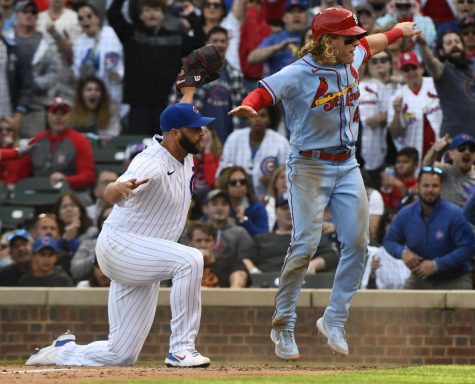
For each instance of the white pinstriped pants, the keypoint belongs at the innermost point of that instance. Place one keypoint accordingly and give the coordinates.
(136, 265)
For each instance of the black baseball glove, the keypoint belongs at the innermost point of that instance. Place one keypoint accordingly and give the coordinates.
(200, 67)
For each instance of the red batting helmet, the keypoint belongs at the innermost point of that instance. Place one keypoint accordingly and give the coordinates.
(335, 21)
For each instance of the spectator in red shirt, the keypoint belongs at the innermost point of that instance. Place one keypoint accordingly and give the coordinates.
(12, 166)
(62, 153)
(404, 182)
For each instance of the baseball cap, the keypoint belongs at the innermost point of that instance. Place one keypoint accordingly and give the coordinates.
(281, 200)
(408, 58)
(59, 102)
(302, 4)
(23, 5)
(43, 242)
(463, 138)
(182, 115)
(214, 193)
(19, 233)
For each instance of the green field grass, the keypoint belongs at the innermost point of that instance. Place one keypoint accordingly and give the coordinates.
(439, 374)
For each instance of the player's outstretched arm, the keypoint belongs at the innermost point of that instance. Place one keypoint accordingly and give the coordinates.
(243, 111)
(433, 65)
(259, 98)
(120, 190)
(379, 41)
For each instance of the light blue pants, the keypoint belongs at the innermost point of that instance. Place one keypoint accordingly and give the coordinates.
(312, 186)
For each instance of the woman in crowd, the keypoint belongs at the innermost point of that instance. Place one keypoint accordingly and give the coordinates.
(98, 51)
(93, 110)
(246, 210)
(277, 188)
(74, 223)
(206, 163)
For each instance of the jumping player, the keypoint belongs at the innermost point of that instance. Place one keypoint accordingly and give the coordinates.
(137, 248)
(320, 95)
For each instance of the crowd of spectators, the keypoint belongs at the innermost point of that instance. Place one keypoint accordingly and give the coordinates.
(80, 72)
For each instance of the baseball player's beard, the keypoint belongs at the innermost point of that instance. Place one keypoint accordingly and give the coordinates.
(188, 145)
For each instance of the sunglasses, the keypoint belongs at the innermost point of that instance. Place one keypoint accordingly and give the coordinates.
(237, 181)
(361, 13)
(213, 5)
(84, 17)
(429, 169)
(468, 32)
(382, 60)
(465, 1)
(464, 147)
(408, 68)
(350, 40)
(403, 7)
(9, 129)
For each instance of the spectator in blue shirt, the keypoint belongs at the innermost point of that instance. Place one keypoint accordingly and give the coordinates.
(433, 238)
(280, 48)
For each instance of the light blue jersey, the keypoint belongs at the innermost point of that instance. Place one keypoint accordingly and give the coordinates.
(320, 102)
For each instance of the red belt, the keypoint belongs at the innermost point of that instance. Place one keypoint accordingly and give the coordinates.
(342, 156)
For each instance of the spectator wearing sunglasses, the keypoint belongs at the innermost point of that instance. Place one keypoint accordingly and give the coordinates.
(441, 258)
(459, 175)
(246, 210)
(280, 48)
(408, 10)
(415, 114)
(39, 64)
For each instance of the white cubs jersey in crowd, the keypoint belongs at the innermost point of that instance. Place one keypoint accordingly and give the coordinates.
(164, 201)
(272, 152)
(374, 100)
(414, 107)
(320, 102)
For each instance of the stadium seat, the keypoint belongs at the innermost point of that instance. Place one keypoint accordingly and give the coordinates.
(15, 217)
(36, 192)
(109, 159)
(120, 142)
(321, 280)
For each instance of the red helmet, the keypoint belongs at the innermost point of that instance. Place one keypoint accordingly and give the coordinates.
(335, 21)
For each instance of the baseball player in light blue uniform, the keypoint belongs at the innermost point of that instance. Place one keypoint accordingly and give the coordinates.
(320, 95)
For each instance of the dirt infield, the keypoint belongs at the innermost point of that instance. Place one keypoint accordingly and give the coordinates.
(72, 375)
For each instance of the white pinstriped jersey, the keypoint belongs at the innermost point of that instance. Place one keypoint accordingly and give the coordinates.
(320, 102)
(414, 107)
(271, 153)
(374, 99)
(159, 208)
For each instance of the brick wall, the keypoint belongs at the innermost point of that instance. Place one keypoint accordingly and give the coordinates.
(406, 334)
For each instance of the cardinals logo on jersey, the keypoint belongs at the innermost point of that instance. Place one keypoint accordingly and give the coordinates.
(432, 95)
(321, 91)
(369, 90)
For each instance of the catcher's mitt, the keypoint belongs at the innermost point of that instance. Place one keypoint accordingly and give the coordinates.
(200, 67)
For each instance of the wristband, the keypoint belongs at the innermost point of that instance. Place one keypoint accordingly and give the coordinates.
(258, 99)
(393, 35)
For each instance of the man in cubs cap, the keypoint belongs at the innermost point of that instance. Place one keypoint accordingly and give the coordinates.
(182, 115)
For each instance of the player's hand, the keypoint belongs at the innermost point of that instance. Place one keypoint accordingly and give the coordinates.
(243, 111)
(425, 269)
(411, 259)
(126, 188)
(408, 28)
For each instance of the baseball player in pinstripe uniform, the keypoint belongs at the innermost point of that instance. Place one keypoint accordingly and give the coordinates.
(137, 248)
(320, 95)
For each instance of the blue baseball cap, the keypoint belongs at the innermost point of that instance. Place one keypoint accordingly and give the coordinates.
(302, 4)
(19, 233)
(43, 242)
(463, 138)
(182, 115)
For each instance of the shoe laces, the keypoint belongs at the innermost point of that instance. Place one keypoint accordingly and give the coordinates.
(287, 337)
(193, 352)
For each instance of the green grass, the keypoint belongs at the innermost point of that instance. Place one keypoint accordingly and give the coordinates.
(434, 374)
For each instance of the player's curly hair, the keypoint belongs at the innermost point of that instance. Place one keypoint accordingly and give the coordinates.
(321, 51)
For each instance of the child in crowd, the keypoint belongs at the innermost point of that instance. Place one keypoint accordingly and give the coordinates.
(44, 271)
(404, 181)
